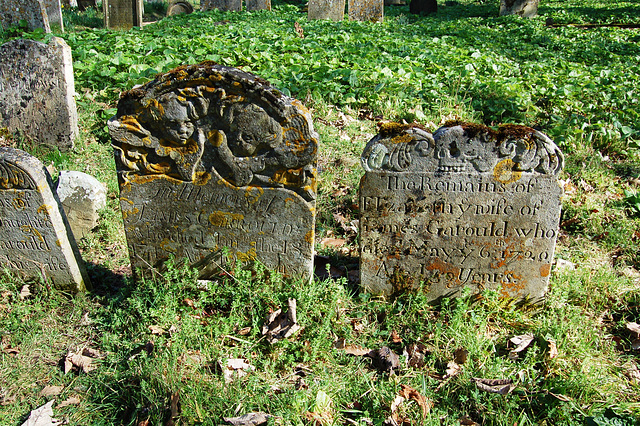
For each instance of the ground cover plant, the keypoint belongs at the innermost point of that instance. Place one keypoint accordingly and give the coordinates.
(173, 350)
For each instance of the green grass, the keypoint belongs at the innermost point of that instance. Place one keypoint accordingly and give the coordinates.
(578, 85)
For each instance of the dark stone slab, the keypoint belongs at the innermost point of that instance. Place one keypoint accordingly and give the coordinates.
(258, 5)
(122, 14)
(35, 240)
(32, 11)
(423, 7)
(210, 157)
(222, 5)
(465, 207)
(37, 89)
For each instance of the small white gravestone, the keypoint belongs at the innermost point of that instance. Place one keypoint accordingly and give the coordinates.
(81, 196)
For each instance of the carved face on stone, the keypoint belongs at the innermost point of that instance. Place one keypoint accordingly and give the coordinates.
(251, 128)
(177, 125)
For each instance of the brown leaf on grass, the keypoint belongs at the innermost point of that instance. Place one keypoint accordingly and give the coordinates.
(299, 30)
(453, 369)
(560, 397)
(351, 349)
(281, 325)
(553, 349)
(466, 421)
(51, 391)
(460, 356)
(415, 354)
(72, 400)
(411, 394)
(11, 351)
(42, 416)
(395, 337)
(77, 362)
(235, 368)
(631, 370)
(249, 419)
(156, 330)
(385, 360)
(522, 342)
(395, 419)
(244, 331)
(634, 328)
(24, 292)
(499, 386)
(92, 353)
(188, 302)
(174, 409)
(144, 423)
(333, 242)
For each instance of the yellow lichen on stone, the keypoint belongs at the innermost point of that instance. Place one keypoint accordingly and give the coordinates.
(503, 172)
(224, 219)
(309, 236)
(253, 193)
(249, 256)
(215, 138)
(201, 178)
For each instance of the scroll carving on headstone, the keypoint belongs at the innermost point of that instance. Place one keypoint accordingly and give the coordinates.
(465, 207)
(210, 157)
(36, 241)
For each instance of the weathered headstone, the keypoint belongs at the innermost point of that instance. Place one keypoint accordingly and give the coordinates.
(326, 9)
(423, 7)
(464, 207)
(179, 7)
(122, 14)
(524, 8)
(36, 91)
(35, 240)
(258, 5)
(81, 196)
(54, 14)
(210, 157)
(222, 5)
(34, 12)
(366, 10)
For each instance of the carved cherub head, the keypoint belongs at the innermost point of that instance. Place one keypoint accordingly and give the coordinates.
(251, 129)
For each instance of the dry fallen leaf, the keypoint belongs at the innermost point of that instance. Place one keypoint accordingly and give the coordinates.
(244, 331)
(51, 391)
(72, 400)
(395, 337)
(333, 242)
(174, 409)
(236, 368)
(158, 331)
(42, 416)
(460, 356)
(249, 419)
(453, 369)
(281, 325)
(522, 342)
(299, 30)
(553, 349)
(25, 292)
(634, 327)
(78, 362)
(409, 393)
(466, 421)
(499, 386)
(384, 359)
(351, 349)
(415, 353)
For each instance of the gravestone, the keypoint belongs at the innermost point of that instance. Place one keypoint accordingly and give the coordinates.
(326, 9)
(34, 12)
(208, 158)
(464, 207)
(81, 196)
(258, 5)
(423, 7)
(35, 239)
(222, 5)
(179, 7)
(524, 8)
(122, 14)
(54, 14)
(36, 91)
(366, 10)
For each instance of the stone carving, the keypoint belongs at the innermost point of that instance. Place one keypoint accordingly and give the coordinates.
(326, 9)
(32, 11)
(179, 7)
(222, 5)
(122, 14)
(37, 89)
(464, 207)
(222, 158)
(35, 241)
(366, 10)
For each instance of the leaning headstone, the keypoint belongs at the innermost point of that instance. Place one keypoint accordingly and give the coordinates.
(35, 241)
(54, 14)
(366, 10)
(423, 7)
(36, 91)
(326, 9)
(221, 5)
(258, 5)
(122, 14)
(524, 8)
(212, 158)
(81, 196)
(179, 7)
(34, 12)
(464, 207)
